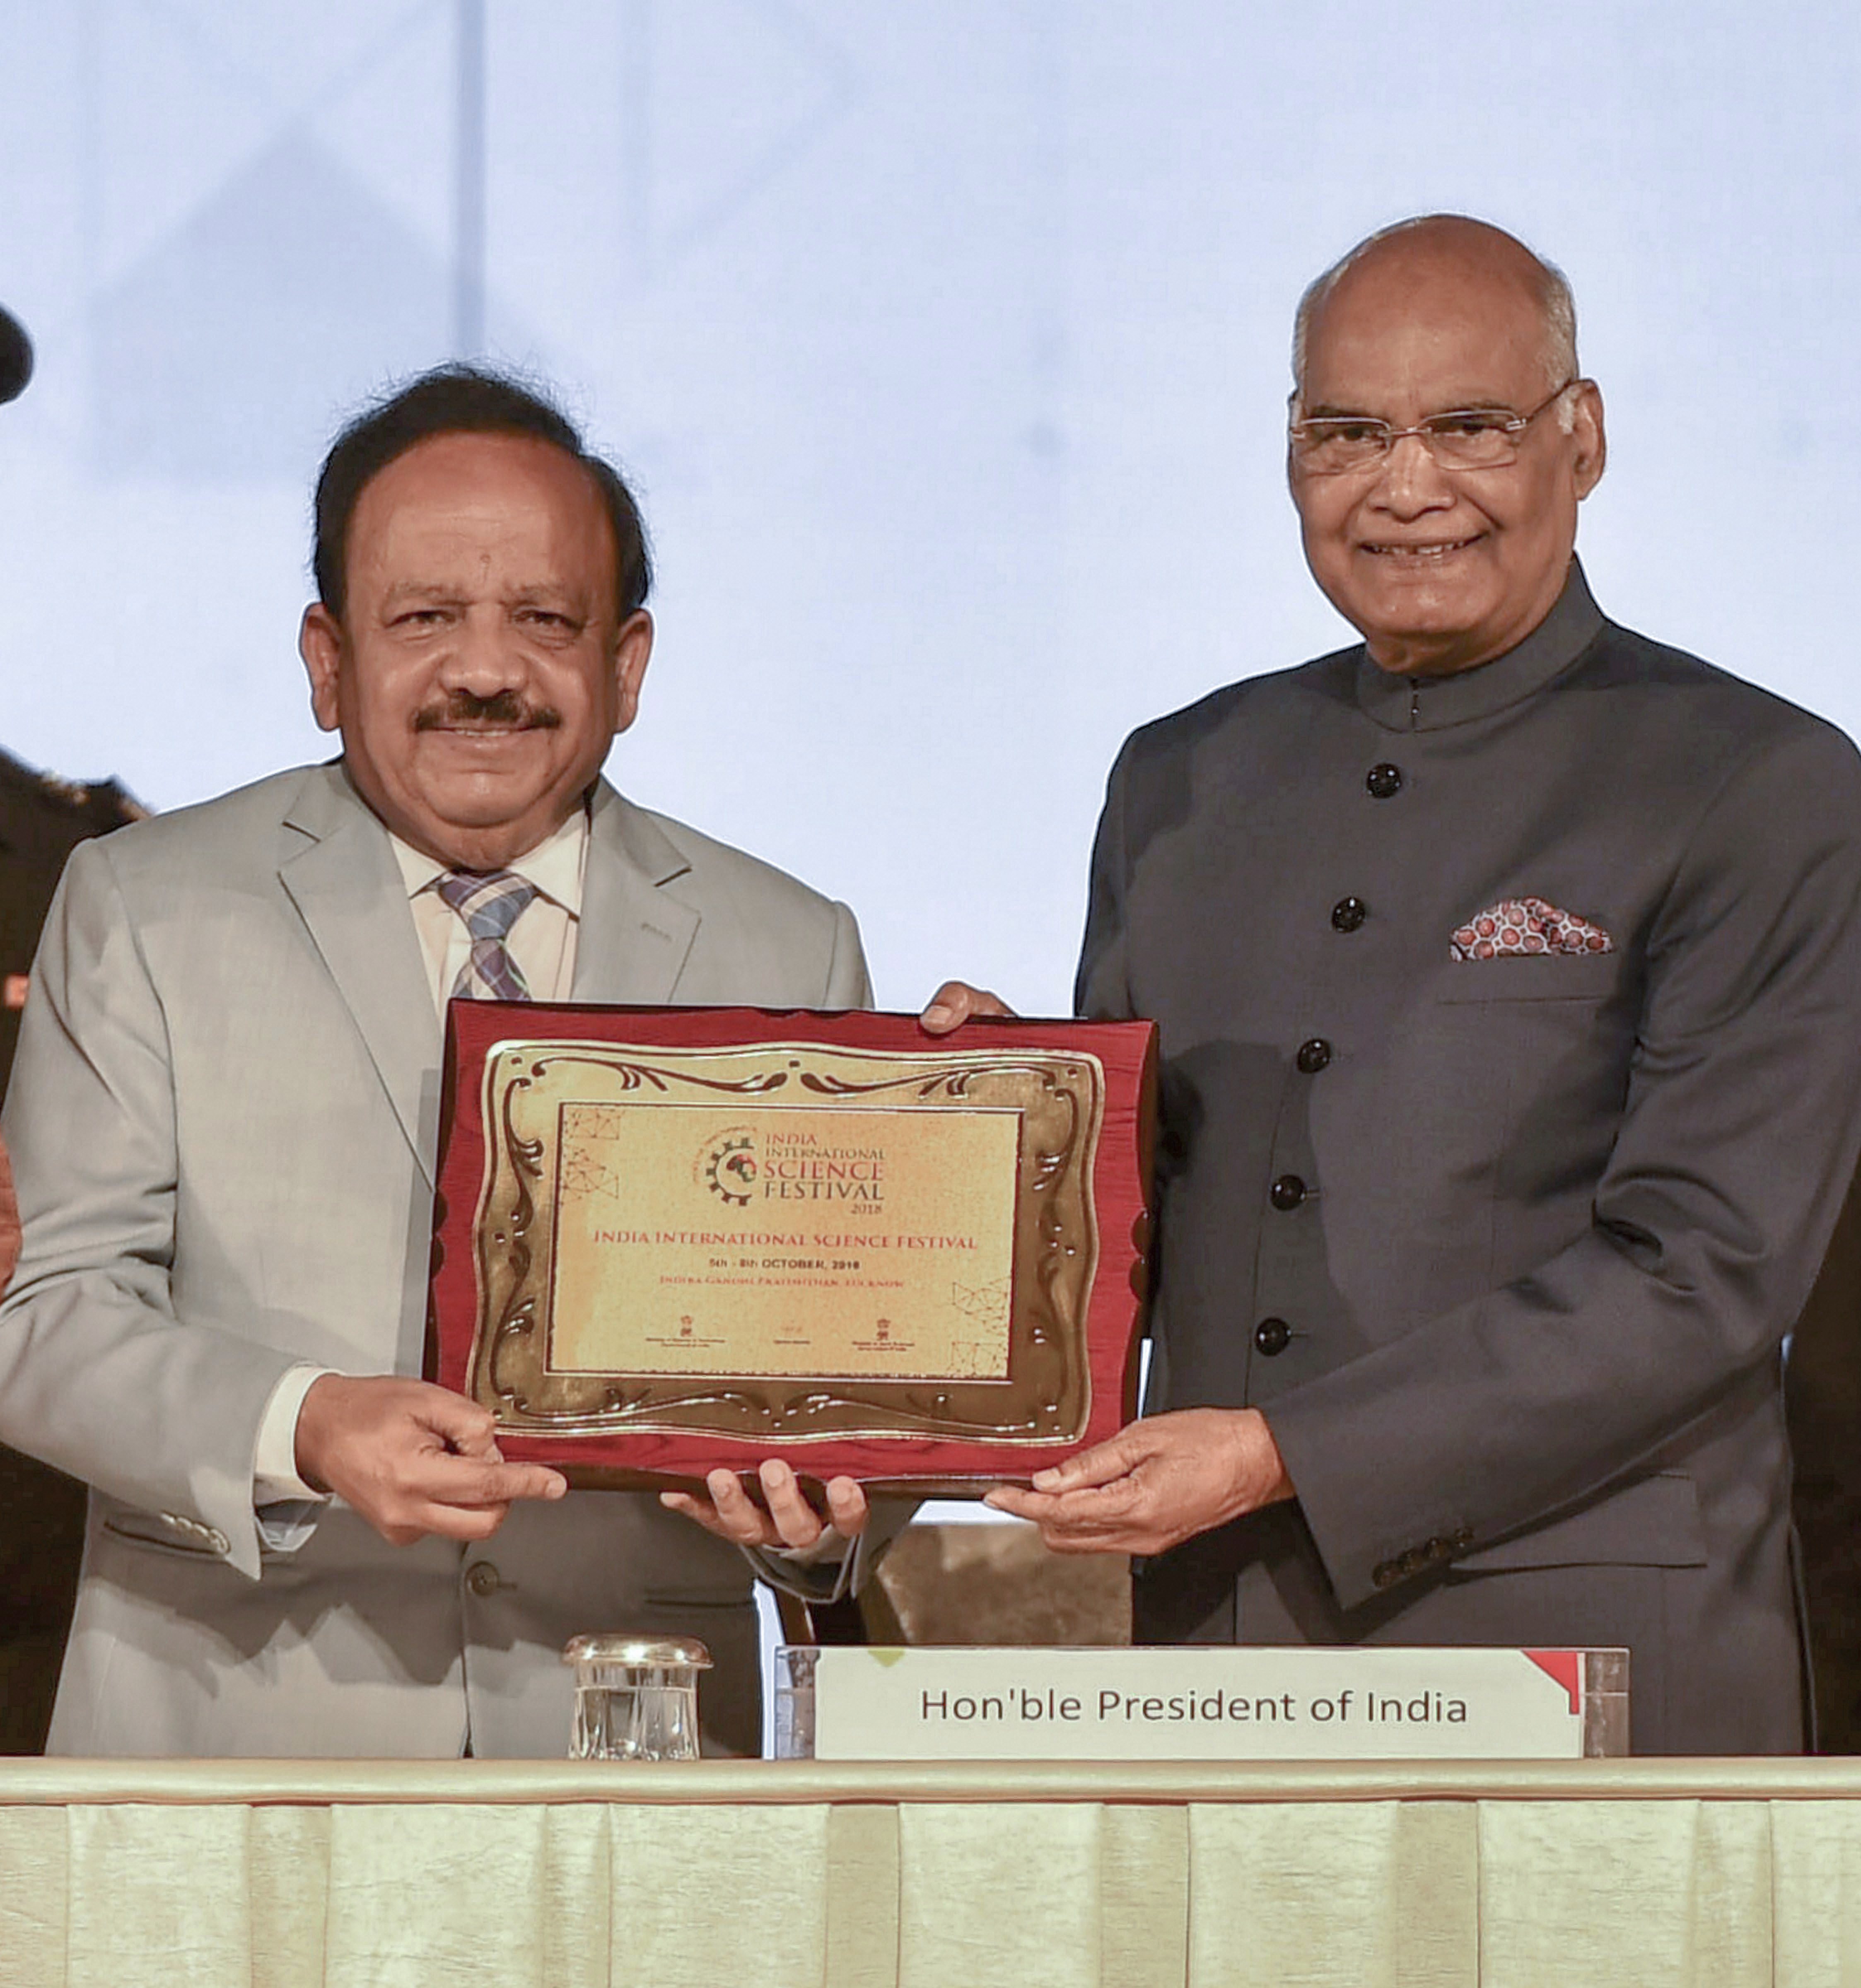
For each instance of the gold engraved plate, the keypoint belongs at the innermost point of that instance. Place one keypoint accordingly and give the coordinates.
(787, 1241)
(691, 1239)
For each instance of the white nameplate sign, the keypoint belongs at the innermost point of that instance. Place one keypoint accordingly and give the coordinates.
(1201, 1704)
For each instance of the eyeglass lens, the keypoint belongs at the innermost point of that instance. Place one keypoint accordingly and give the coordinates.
(1480, 438)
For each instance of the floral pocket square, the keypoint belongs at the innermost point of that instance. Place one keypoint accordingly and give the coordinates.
(1516, 926)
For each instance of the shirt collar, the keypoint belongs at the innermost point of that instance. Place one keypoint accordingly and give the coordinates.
(1401, 703)
(555, 866)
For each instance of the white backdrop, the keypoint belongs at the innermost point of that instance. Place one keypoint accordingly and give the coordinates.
(945, 344)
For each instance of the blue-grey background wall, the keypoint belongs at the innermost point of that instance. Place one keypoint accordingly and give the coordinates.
(946, 344)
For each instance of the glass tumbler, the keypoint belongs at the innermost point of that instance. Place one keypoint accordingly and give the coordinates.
(636, 1697)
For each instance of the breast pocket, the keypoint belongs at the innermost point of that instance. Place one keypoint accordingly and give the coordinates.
(1539, 976)
(1500, 1095)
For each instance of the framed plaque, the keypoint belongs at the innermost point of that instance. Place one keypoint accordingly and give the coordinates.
(668, 1239)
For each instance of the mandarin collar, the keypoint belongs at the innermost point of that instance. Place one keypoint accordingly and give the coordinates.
(1400, 703)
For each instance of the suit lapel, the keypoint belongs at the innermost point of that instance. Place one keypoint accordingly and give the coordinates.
(350, 892)
(635, 932)
(631, 943)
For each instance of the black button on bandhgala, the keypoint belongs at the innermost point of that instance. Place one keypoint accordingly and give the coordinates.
(1288, 1191)
(1384, 781)
(1313, 1055)
(1348, 913)
(1272, 1336)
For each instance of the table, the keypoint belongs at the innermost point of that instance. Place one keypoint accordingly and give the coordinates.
(753, 1874)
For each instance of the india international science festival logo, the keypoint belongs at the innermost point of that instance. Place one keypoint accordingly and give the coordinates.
(746, 1163)
(728, 1167)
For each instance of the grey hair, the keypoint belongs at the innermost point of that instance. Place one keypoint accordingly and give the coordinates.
(1554, 300)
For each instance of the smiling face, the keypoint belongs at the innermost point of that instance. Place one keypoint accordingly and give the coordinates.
(479, 671)
(1441, 570)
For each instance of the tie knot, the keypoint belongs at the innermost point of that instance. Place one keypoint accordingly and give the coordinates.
(490, 901)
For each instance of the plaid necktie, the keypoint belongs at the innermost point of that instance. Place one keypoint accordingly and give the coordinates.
(490, 902)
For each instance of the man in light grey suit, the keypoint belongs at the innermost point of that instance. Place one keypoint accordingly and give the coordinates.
(223, 1126)
(1507, 968)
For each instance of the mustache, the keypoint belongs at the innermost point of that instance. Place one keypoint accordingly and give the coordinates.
(503, 711)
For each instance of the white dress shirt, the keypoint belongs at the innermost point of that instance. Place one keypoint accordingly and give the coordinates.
(541, 942)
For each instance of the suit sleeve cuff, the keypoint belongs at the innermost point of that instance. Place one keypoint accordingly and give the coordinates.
(827, 1570)
(830, 1569)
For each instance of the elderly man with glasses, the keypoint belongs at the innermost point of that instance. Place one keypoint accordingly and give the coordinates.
(1508, 970)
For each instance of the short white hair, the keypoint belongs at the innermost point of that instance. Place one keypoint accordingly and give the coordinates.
(1554, 300)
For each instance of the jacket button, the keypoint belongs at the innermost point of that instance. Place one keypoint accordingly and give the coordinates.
(1439, 1549)
(483, 1579)
(1348, 913)
(1384, 781)
(1288, 1191)
(1462, 1540)
(1313, 1055)
(1385, 1573)
(1273, 1336)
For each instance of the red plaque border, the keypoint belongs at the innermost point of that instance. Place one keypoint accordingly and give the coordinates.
(1115, 1308)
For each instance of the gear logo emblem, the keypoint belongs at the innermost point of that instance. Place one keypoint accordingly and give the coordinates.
(731, 1169)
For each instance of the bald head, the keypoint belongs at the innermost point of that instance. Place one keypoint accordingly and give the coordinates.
(1441, 562)
(1443, 250)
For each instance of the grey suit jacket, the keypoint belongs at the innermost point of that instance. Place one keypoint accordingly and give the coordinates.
(1503, 1248)
(222, 1122)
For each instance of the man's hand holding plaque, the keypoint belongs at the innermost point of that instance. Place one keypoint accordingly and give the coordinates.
(787, 1520)
(1160, 1480)
(411, 1459)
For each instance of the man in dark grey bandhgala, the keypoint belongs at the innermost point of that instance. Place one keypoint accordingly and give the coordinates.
(1508, 970)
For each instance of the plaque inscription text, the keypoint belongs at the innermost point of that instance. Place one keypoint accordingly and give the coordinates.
(692, 1238)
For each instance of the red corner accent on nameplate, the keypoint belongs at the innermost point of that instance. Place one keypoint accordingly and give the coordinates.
(1565, 1667)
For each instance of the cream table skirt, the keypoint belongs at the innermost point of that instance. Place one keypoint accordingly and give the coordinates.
(746, 1874)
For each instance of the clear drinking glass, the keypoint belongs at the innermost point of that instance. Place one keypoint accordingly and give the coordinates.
(636, 1697)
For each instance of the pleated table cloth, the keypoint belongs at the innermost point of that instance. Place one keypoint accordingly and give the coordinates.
(749, 1874)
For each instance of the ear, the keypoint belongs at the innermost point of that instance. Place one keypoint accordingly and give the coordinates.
(633, 649)
(1592, 443)
(320, 642)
